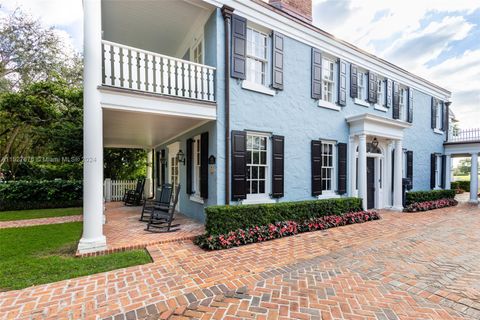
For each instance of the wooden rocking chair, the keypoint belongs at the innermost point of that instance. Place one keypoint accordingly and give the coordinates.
(161, 218)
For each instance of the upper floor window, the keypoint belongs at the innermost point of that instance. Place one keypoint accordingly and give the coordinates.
(362, 85)
(257, 58)
(402, 103)
(328, 83)
(380, 92)
(439, 113)
(327, 166)
(257, 165)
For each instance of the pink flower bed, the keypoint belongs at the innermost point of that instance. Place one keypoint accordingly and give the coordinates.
(281, 229)
(430, 205)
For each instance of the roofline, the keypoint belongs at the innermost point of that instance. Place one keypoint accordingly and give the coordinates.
(244, 9)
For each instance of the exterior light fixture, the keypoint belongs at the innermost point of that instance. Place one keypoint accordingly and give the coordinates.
(181, 157)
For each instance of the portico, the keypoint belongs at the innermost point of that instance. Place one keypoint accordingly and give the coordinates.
(375, 143)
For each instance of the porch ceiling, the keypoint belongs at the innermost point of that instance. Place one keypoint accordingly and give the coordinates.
(129, 129)
(158, 26)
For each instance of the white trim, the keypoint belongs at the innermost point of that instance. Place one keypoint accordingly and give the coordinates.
(262, 200)
(438, 131)
(361, 102)
(265, 16)
(328, 105)
(181, 134)
(252, 86)
(380, 108)
(196, 198)
(328, 195)
(262, 197)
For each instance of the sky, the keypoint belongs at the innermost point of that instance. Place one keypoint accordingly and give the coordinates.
(438, 40)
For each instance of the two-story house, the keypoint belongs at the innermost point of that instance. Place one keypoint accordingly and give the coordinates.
(246, 101)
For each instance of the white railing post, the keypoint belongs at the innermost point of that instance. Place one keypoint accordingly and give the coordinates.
(107, 187)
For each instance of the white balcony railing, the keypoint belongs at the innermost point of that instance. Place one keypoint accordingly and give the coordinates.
(465, 135)
(133, 68)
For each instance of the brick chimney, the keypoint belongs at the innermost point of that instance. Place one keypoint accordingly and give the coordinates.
(299, 8)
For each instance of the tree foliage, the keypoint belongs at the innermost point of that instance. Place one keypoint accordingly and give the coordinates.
(124, 164)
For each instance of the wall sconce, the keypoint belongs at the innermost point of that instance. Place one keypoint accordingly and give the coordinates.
(163, 160)
(181, 157)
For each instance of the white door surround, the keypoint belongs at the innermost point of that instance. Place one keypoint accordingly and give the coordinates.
(364, 129)
(174, 166)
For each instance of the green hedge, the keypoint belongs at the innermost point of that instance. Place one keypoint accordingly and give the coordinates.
(430, 195)
(464, 185)
(223, 219)
(19, 195)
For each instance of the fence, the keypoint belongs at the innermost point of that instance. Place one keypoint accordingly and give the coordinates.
(113, 190)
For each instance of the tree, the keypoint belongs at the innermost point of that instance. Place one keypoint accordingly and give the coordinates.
(124, 164)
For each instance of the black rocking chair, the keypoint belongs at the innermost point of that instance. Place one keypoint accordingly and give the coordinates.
(134, 197)
(163, 197)
(161, 218)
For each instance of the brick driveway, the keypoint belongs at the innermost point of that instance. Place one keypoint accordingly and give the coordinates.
(405, 266)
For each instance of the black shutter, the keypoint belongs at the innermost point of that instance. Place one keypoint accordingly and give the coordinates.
(277, 59)
(316, 74)
(278, 176)
(393, 169)
(447, 119)
(239, 47)
(157, 168)
(443, 116)
(353, 81)
(204, 165)
(388, 93)
(396, 102)
(372, 87)
(189, 159)
(316, 167)
(164, 166)
(410, 168)
(410, 106)
(433, 165)
(342, 83)
(444, 170)
(434, 113)
(342, 168)
(239, 165)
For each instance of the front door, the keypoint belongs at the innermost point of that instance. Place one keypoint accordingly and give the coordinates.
(370, 182)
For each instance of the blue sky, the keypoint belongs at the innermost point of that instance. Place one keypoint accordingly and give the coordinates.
(438, 40)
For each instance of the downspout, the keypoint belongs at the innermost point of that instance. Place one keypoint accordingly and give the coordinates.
(227, 18)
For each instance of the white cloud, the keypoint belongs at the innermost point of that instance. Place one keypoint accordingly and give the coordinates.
(394, 30)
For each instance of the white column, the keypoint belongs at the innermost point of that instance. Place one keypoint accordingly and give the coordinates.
(448, 171)
(474, 179)
(362, 169)
(397, 179)
(92, 238)
(352, 174)
(387, 186)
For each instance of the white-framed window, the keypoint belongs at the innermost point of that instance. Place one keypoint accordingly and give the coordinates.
(402, 103)
(438, 122)
(438, 172)
(380, 92)
(258, 166)
(257, 56)
(328, 82)
(328, 169)
(198, 52)
(196, 148)
(361, 85)
(404, 163)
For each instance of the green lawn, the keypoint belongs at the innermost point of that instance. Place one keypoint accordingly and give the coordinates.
(43, 254)
(38, 213)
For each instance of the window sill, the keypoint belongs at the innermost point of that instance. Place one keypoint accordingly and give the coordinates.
(259, 200)
(196, 199)
(362, 103)
(252, 86)
(437, 131)
(328, 195)
(380, 108)
(328, 105)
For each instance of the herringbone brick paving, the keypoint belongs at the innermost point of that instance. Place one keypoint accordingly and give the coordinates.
(405, 266)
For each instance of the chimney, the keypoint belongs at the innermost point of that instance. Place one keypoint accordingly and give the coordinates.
(301, 9)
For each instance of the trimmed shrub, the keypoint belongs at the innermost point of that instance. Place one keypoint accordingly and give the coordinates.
(20, 195)
(223, 219)
(281, 229)
(430, 205)
(464, 185)
(430, 195)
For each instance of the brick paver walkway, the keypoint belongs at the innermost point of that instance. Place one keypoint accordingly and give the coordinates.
(405, 266)
(39, 221)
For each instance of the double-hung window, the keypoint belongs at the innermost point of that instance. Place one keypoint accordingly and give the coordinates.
(257, 166)
(438, 172)
(402, 103)
(196, 161)
(327, 166)
(438, 121)
(362, 85)
(380, 92)
(328, 83)
(257, 58)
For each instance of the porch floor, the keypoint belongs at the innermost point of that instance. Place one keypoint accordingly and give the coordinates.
(124, 232)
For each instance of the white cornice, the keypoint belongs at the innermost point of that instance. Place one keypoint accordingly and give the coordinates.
(266, 16)
(368, 117)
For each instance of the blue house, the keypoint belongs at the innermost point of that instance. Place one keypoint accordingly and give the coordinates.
(246, 101)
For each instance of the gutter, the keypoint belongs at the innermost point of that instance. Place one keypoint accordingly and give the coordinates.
(227, 18)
